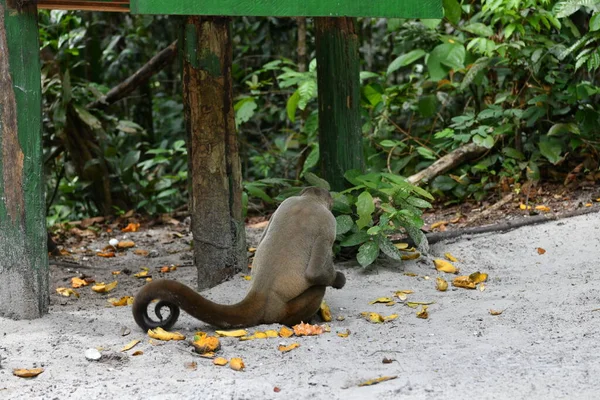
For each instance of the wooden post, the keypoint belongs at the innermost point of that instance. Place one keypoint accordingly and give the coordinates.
(23, 251)
(214, 164)
(340, 137)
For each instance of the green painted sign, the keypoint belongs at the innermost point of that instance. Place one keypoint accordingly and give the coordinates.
(293, 8)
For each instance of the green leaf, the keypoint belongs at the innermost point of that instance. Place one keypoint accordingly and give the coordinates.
(355, 239)
(130, 159)
(428, 105)
(292, 106)
(364, 208)
(452, 11)
(417, 202)
(595, 22)
(312, 159)
(479, 29)
(88, 118)
(244, 110)
(367, 75)
(314, 180)
(559, 129)
(343, 224)
(254, 191)
(388, 248)
(405, 59)
(443, 183)
(431, 23)
(367, 253)
(513, 153)
(307, 91)
(551, 150)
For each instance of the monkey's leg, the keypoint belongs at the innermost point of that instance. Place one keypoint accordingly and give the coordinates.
(303, 307)
(320, 270)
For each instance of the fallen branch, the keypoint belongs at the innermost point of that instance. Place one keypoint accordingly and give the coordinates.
(152, 67)
(447, 162)
(506, 199)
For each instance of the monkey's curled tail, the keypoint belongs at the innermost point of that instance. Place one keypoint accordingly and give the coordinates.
(175, 295)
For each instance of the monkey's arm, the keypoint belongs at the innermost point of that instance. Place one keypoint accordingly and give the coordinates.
(320, 270)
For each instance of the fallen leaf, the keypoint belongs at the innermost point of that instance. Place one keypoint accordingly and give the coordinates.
(191, 365)
(67, 292)
(247, 277)
(160, 334)
(410, 274)
(106, 254)
(482, 287)
(542, 208)
(445, 266)
(123, 301)
(377, 380)
(415, 304)
(422, 313)
(210, 354)
(387, 360)
(126, 244)
(137, 353)
(381, 300)
(220, 361)
(463, 282)
(373, 317)
(540, 251)
(340, 318)
(206, 344)
(140, 252)
(27, 373)
(104, 288)
(131, 227)
(285, 332)
(325, 312)
(285, 349)
(252, 249)
(344, 334)
(496, 312)
(260, 335)
(411, 256)
(276, 389)
(524, 207)
(390, 317)
(403, 294)
(441, 284)
(401, 246)
(78, 282)
(141, 274)
(478, 277)
(237, 364)
(303, 329)
(588, 204)
(438, 224)
(237, 333)
(271, 333)
(450, 257)
(130, 345)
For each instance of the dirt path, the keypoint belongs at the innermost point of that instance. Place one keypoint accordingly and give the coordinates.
(543, 346)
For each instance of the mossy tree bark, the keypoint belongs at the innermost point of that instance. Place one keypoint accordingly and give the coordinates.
(214, 164)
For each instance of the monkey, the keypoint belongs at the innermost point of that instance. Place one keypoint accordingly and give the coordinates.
(292, 267)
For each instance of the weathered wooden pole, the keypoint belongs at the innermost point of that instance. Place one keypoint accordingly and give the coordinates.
(340, 137)
(214, 164)
(23, 251)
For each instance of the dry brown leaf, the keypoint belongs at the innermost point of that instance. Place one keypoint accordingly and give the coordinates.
(303, 329)
(137, 353)
(131, 227)
(103, 287)
(285, 332)
(383, 300)
(160, 334)
(445, 266)
(438, 224)
(422, 313)
(191, 365)
(67, 292)
(542, 208)
(325, 312)
(401, 246)
(78, 282)
(450, 257)
(206, 344)
(220, 361)
(140, 252)
(373, 317)
(441, 284)
(237, 333)
(344, 334)
(496, 312)
(27, 373)
(285, 349)
(478, 277)
(141, 274)
(540, 251)
(106, 254)
(130, 345)
(410, 274)
(123, 301)
(377, 380)
(237, 364)
(463, 282)
(116, 272)
(126, 244)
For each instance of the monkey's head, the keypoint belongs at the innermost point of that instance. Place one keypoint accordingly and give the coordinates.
(319, 194)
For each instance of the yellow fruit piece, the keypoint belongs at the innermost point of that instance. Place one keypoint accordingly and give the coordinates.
(260, 335)
(285, 332)
(285, 349)
(441, 284)
(123, 301)
(160, 334)
(271, 333)
(125, 244)
(381, 300)
(220, 361)
(410, 274)
(210, 354)
(401, 246)
(141, 274)
(325, 312)
(373, 317)
(390, 317)
(542, 208)
(422, 313)
(445, 266)
(450, 257)
(415, 304)
(104, 288)
(438, 224)
(303, 329)
(482, 287)
(237, 333)
(130, 345)
(344, 334)
(478, 277)
(67, 292)
(496, 312)
(376, 381)
(463, 282)
(78, 282)
(237, 364)
(247, 277)
(27, 373)
(206, 344)
(524, 207)
(411, 256)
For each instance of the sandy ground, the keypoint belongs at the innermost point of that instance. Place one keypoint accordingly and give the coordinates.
(544, 345)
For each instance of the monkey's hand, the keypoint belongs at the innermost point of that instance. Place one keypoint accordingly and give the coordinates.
(340, 280)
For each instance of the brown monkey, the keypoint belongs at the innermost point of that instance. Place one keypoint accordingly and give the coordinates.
(292, 267)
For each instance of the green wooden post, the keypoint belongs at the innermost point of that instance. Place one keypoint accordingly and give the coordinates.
(214, 164)
(23, 251)
(340, 136)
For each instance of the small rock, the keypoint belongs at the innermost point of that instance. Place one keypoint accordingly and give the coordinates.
(153, 254)
(93, 354)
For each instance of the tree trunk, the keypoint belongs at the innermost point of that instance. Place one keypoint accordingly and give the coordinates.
(23, 254)
(214, 164)
(340, 137)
